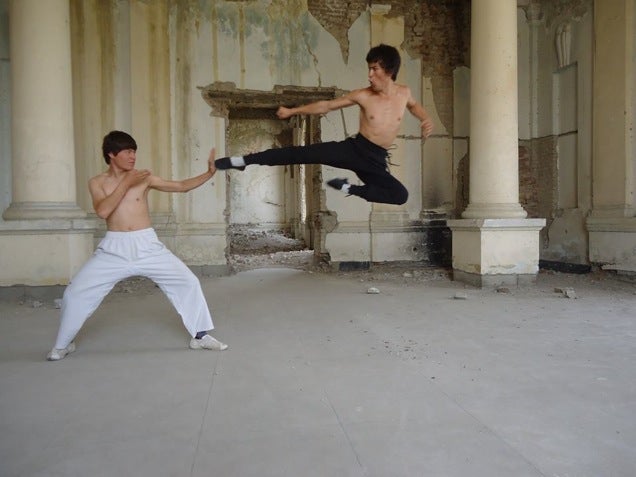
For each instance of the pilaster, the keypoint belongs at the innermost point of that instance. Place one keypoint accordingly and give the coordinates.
(612, 223)
(43, 153)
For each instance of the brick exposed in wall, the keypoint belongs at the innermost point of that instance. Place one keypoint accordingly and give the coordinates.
(538, 184)
(437, 31)
(463, 181)
(337, 17)
(538, 176)
(528, 181)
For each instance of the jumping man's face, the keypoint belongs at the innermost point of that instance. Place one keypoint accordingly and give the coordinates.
(378, 78)
(124, 159)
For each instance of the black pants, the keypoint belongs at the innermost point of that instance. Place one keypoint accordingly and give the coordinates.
(357, 154)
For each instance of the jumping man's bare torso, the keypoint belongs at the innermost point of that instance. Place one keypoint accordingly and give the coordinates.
(381, 113)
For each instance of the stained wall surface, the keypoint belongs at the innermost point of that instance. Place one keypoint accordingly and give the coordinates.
(140, 66)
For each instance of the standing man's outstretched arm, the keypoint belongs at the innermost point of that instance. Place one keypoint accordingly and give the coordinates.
(185, 185)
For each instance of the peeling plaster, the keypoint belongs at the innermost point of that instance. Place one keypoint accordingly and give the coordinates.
(556, 11)
(337, 17)
(287, 25)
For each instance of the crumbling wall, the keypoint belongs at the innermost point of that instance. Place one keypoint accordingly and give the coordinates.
(437, 31)
(337, 17)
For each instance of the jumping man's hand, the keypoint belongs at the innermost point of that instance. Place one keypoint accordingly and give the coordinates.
(284, 113)
(427, 127)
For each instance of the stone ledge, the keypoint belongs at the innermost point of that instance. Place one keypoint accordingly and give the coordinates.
(494, 224)
(611, 224)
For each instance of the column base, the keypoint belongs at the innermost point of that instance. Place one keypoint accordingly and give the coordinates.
(44, 252)
(489, 252)
(43, 210)
(493, 281)
(495, 211)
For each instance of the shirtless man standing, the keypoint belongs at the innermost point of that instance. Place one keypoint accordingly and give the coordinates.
(131, 248)
(382, 105)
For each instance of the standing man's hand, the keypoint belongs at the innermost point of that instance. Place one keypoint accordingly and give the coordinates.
(284, 113)
(211, 166)
(136, 176)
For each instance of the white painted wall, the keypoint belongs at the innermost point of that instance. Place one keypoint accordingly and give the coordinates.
(5, 110)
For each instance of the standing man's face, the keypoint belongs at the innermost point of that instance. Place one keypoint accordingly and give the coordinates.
(124, 159)
(378, 78)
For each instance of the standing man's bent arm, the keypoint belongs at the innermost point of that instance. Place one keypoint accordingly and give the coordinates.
(105, 204)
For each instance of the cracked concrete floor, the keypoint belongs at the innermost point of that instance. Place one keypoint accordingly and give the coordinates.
(323, 379)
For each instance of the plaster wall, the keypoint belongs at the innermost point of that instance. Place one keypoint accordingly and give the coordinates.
(257, 195)
(138, 66)
(614, 86)
(305, 54)
(612, 225)
(5, 110)
(555, 136)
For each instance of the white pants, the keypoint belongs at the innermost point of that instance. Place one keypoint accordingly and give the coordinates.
(125, 254)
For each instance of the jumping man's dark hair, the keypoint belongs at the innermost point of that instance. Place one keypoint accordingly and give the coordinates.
(387, 57)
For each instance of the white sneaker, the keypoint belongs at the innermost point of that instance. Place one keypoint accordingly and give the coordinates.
(207, 342)
(58, 354)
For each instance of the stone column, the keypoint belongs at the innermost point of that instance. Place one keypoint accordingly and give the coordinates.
(494, 136)
(46, 236)
(43, 157)
(494, 244)
(612, 224)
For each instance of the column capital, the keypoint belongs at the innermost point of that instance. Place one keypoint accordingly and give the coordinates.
(534, 13)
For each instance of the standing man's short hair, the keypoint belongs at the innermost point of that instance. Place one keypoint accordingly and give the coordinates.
(116, 141)
(387, 57)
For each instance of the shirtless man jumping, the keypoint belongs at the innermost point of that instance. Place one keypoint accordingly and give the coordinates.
(382, 105)
(131, 248)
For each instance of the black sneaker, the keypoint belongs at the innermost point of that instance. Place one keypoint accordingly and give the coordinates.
(225, 163)
(337, 183)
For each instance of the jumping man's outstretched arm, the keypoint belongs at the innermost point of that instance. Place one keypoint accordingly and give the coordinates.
(319, 107)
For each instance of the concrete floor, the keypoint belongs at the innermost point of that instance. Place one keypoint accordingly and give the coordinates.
(323, 379)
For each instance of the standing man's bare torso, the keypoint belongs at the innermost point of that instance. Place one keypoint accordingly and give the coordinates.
(132, 212)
